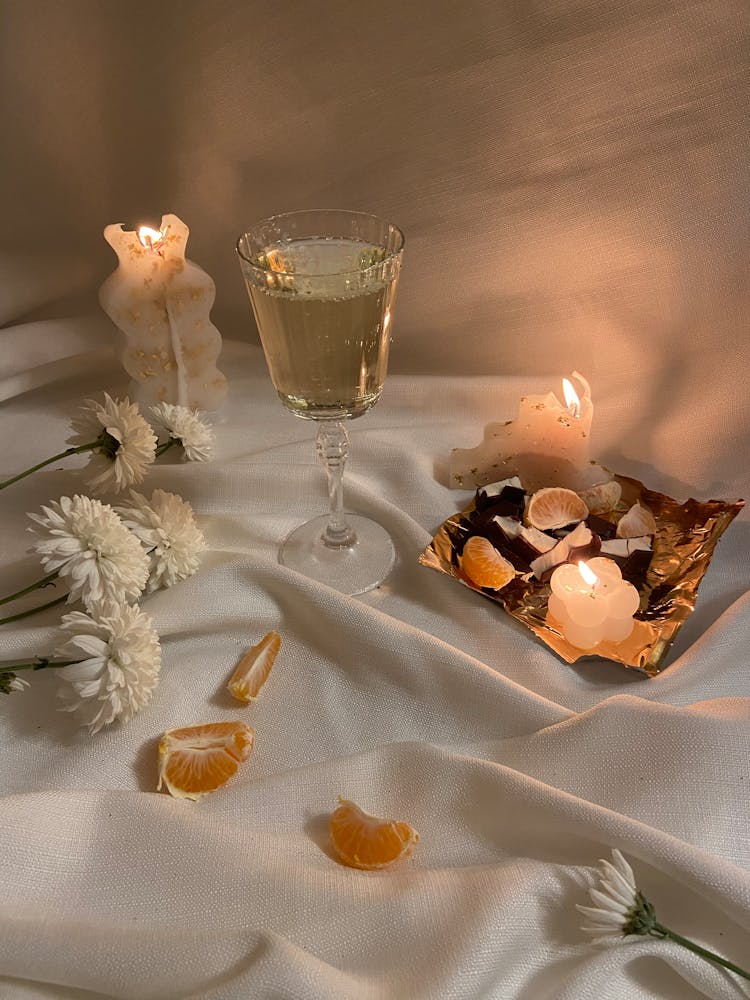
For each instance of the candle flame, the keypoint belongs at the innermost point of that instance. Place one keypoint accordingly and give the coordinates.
(588, 575)
(572, 401)
(150, 238)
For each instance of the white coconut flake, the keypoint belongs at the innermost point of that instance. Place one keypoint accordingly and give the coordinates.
(624, 546)
(578, 537)
(540, 540)
(509, 525)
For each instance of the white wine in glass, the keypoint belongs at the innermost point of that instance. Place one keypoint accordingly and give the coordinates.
(322, 286)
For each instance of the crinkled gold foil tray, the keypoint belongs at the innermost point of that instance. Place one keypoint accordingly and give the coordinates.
(686, 535)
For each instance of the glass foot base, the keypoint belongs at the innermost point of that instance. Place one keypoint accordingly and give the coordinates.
(351, 570)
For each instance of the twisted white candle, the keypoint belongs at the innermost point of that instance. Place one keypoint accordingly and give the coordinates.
(161, 302)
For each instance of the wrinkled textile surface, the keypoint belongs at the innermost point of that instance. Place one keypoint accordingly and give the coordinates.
(420, 701)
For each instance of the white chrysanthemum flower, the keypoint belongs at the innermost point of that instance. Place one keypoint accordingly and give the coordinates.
(617, 901)
(126, 444)
(167, 530)
(188, 428)
(86, 542)
(118, 658)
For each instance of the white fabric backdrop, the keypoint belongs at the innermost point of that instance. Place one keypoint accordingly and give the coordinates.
(420, 700)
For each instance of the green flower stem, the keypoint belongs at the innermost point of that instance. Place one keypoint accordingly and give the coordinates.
(664, 932)
(41, 663)
(165, 445)
(33, 611)
(77, 450)
(32, 586)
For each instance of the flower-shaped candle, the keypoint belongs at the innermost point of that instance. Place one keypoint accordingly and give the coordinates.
(592, 603)
(160, 301)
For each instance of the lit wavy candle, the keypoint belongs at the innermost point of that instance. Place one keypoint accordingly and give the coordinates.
(161, 302)
(548, 444)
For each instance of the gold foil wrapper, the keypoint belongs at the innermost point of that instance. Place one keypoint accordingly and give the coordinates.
(686, 535)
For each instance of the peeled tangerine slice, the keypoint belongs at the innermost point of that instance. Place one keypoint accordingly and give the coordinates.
(368, 842)
(602, 498)
(196, 760)
(637, 522)
(254, 667)
(555, 507)
(484, 565)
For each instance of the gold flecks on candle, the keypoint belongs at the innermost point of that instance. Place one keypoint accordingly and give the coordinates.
(147, 372)
(162, 394)
(140, 354)
(199, 324)
(168, 366)
(196, 293)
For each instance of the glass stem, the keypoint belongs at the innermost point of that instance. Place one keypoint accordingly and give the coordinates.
(332, 444)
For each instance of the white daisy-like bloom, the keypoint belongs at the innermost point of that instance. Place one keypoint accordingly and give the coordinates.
(617, 902)
(166, 528)
(88, 545)
(18, 683)
(188, 428)
(118, 658)
(126, 444)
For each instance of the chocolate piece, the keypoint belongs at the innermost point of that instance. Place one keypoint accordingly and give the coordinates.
(503, 497)
(635, 567)
(514, 496)
(601, 526)
(521, 548)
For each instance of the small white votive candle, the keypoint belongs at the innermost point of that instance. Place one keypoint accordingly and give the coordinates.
(592, 603)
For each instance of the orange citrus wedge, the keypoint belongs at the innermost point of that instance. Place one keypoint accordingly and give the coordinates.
(484, 565)
(254, 667)
(555, 507)
(196, 760)
(364, 841)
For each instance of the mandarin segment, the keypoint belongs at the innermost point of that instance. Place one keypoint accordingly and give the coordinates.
(483, 564)
(368, 842)
(196, 760)
(254, 667)
(555, 507)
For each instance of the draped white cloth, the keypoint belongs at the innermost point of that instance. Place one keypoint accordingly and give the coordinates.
(421, 701)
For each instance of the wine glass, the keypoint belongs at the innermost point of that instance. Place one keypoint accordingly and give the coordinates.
(322, 285)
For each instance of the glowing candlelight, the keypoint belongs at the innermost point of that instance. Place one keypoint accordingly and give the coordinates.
(592, 603)
(591, 578)
(572, 401)
(150, 238)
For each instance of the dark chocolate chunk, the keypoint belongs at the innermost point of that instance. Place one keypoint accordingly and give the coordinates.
(514, 496)
(635, 567)
(521, 548)
(603, 528)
